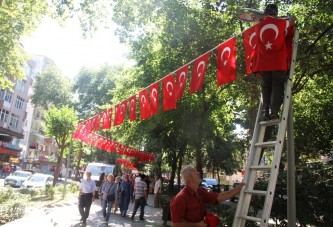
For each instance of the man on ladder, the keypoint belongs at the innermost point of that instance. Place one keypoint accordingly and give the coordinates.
(272, 57)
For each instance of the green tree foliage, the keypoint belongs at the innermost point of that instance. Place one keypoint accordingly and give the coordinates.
(52, 89)
(60, 123)
(17, 18)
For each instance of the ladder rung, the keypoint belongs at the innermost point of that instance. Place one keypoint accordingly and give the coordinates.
(256, 192)
(250, 218)
(266, 144)
(269, 123)
(260, 167)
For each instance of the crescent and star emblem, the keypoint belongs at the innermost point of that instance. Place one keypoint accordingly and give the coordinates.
(167, 87)
(143, 100)
(264, 28)
(154, 94)
(250, 40)
(226, 49)
(132, 104)
(202, 63)
(182, 78)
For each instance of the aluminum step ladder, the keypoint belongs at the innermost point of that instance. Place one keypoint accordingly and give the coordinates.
(257, 144)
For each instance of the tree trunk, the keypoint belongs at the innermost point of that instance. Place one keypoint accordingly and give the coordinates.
(198, 145)
(180, 160)
(59, 162)
(79, 157)
(173, 170)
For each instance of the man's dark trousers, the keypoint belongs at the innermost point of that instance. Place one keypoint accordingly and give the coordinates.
(141, 202)
(273, 89)
(84, 205)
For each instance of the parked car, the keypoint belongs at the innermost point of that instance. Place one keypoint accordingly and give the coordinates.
(209, 183)
(32, 170)
(38, 180)
(17, 178)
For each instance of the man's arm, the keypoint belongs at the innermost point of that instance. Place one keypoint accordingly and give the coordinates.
(228, 194)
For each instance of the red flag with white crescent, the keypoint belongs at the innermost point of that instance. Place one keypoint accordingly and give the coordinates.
(169, 92)
(198, 73)
(132, 108)
(107, 118)
(96, 122)
(144, 105)
(154, 98)
(226, 62)
(250, 48)
(181, 81)
(272, 54)
(120, 112)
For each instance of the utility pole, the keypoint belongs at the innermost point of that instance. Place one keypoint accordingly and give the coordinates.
(67, 166)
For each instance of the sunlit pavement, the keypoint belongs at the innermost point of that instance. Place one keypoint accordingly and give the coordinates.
(66, 214)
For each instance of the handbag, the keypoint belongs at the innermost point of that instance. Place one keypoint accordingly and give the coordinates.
(110, 197)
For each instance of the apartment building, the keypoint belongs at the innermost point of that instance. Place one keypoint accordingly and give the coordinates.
(13, 105)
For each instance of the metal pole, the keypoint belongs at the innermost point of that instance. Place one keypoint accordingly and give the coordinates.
(291, 187)
(67, 166)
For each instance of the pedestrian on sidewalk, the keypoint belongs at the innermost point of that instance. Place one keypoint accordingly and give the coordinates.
(87, 188)
(116, 202)
(125, 195)
(189, 207)
(141, 195)
(109, 196)
(157, 191)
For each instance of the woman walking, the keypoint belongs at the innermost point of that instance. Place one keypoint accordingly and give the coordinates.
(125, 195)
(109, 195)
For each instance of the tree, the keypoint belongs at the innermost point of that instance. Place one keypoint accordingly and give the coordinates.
(17, 18)
(52, 89)
(60, 123)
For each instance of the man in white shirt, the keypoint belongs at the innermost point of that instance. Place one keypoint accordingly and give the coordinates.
(86, 196)
(157, 191)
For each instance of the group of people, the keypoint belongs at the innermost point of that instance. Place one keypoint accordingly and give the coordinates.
(6, 170)
(117, 192)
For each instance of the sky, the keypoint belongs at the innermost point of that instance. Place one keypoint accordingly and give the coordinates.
(66, 46)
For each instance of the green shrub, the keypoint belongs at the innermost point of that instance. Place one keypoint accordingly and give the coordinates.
(12, 205)
(49, 191)
(74, 187)
(60, 188)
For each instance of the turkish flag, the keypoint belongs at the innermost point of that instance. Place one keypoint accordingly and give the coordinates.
(120, 112)
(198, 73)
(96, 122)
(169, 92)
(181, 81)
(272, 54)
(107, 118)
(144, 105)
(154, 98)
(132, 108)
(226, 62)
(250, 47)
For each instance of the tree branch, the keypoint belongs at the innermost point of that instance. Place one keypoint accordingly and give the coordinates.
(319, 37)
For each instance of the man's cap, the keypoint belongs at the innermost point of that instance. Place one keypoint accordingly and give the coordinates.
(271, 9)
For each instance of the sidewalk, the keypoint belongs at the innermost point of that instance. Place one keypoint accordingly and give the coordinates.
(66, 214)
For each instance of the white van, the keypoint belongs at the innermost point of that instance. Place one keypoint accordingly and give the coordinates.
(97, 169)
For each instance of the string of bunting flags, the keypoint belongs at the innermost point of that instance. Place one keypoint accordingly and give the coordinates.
(255, 42)
(108, 145)
(127, 163)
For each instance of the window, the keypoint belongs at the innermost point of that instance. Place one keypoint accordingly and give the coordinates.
(19, 103)
(4, 115)
(20, 85)
(13, 121)
(6, 95)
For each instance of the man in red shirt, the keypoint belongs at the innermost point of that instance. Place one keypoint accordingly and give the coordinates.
(188, 208)
(273, 37)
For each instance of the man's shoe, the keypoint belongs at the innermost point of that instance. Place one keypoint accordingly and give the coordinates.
(132, 218)
(142, 219)
(273, 116)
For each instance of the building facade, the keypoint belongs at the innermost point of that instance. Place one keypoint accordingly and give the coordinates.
(13, 105)
(38, 151)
